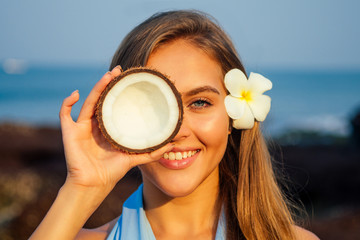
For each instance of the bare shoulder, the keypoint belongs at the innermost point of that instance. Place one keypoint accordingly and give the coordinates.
(99, 233)
(302, 233)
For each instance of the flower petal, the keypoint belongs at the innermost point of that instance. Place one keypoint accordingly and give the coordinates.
(260, 106)
(235, 107)
(235, 82)
(258, 83)
(246, 121)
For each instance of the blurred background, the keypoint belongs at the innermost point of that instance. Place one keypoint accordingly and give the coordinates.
(309, 49)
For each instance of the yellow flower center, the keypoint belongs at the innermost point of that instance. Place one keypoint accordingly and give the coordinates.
(245, 95)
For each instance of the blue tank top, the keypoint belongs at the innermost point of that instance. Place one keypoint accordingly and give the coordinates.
(133, 224)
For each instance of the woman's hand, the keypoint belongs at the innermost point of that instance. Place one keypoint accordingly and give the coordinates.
(94, 167)
(91, 160)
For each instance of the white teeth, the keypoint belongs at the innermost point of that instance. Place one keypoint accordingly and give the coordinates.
(171, 156)
(179, 155)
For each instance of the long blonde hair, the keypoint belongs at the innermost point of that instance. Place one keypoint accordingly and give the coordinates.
(254, 206)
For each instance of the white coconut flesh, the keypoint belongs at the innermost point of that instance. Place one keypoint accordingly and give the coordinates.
(140, 111)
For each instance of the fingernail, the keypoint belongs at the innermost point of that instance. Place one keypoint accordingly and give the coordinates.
(76, 91)
(119, 67)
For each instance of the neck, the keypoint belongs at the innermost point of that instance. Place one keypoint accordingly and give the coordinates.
(192, 216)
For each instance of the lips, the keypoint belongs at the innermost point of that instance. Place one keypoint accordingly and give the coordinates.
(179, 159)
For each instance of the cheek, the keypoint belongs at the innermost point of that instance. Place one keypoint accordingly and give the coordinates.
(212, 129)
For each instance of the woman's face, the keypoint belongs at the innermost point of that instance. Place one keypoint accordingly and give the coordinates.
(201, 142)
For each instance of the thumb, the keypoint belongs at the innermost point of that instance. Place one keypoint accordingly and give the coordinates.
(155, 155)
(143, 158)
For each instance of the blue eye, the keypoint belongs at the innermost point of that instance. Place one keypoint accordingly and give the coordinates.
(200, 103)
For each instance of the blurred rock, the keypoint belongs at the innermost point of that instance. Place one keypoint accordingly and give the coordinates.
(355, 123)
(344, 225)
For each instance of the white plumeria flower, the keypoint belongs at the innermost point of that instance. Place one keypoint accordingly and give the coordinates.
(246, 101)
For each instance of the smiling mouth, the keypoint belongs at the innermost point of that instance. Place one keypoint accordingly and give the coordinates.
(179, 155)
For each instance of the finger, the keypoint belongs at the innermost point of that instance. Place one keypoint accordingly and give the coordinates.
(88, 108)
(65, 110)
(133, 160)
(152, 156)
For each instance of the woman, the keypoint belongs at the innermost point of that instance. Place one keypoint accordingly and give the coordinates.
(223, 188)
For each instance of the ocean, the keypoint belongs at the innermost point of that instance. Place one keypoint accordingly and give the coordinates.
(322, 101)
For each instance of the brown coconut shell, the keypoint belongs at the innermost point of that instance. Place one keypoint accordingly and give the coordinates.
(99, 105)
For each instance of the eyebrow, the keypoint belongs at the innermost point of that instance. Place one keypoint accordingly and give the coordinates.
(200, 90)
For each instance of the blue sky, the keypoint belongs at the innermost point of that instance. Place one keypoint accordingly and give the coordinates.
(317, 34)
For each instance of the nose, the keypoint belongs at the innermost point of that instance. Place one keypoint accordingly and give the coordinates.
(184, 131)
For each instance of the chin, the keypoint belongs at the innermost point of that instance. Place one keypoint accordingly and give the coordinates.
(179, 183)
(178, 191)
(173, 185)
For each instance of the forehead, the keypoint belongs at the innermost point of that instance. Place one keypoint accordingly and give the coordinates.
(186, 65)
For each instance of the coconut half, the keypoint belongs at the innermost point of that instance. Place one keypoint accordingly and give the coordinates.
(139, 111)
